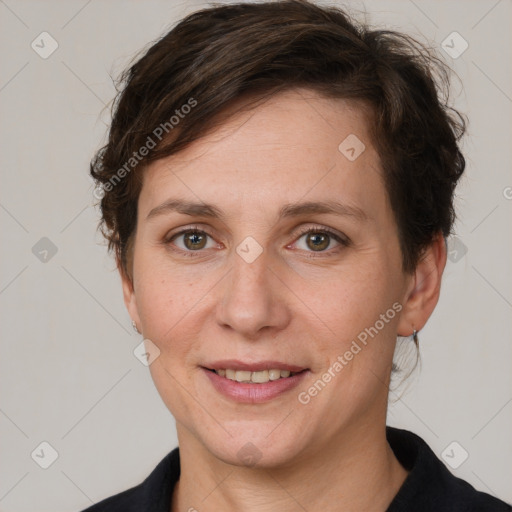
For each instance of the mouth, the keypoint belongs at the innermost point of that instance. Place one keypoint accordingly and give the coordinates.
(253, 382)
(254, 377)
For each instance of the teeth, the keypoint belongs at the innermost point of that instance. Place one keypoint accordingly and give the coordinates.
(243, 376)
(260, 377)
(274, 374)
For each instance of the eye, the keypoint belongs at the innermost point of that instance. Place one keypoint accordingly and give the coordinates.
(319, 239)
(192, 240)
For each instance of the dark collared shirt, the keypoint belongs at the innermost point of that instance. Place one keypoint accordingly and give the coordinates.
(429, 487)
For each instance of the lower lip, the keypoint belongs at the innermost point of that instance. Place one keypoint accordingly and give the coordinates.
(244, 392)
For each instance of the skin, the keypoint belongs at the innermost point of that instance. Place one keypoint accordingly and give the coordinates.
(295, 303)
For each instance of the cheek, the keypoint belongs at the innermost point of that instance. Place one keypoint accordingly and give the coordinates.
(353, 298)
(358, 314)
(361, 311)
(163, 293)
(170, 299)
(158, 304)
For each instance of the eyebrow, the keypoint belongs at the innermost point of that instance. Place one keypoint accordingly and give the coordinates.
(287, 211)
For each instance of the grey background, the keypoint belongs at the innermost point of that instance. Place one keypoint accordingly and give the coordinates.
(68, 373)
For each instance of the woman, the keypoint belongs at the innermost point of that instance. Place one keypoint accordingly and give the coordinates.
(278, 186)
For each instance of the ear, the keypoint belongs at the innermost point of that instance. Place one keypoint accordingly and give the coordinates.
(423, 293)
(129, 297)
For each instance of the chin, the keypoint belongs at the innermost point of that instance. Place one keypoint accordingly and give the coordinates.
(258, 449)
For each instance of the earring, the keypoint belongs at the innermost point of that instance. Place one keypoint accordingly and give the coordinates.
(134, 325)
(415, 336)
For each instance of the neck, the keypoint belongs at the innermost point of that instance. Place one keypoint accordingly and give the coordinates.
(356, 471)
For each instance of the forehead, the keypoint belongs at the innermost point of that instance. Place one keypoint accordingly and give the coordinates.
(291, 120)
(297, 144)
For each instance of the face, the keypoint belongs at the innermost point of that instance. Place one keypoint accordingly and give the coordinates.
(260, 282)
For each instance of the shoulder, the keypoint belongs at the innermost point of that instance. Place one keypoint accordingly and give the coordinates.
(154, 493)
(430, 486)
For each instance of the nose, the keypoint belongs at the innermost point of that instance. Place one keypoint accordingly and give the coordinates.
(254, 299)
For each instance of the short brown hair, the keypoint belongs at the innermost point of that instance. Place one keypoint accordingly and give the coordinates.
(217, 54)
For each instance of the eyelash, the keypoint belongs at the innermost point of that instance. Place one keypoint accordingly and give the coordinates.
(343, 241)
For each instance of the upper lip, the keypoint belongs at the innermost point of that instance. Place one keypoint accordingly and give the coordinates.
(235, 364)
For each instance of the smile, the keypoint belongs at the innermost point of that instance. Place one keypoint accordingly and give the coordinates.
(260, 377)
(253, 383)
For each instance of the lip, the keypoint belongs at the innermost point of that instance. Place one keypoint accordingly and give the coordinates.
(235, 364)
(249, 393)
